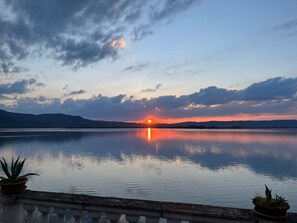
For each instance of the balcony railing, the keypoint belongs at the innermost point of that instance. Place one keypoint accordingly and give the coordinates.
(47, 207)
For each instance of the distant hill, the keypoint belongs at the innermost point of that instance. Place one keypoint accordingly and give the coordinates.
(233, 124)
(19, 120)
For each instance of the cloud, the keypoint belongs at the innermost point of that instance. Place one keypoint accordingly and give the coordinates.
(271, 89)
(212, 96)
(7, 63)
(137, 67)
(81, 91)
(9, 67)
(133, 16)
(118, 43)
(76, 33)
(157, 87)
(161, 12)
(292, 24)
(82, 53)
(290, 28)
(72, 92)
(142, 31)
(280, 99)
(19, 87)
(170, 8)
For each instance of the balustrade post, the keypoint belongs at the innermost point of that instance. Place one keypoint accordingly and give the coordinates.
(12, 210)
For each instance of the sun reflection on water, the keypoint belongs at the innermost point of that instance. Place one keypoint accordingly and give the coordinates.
(149, 134)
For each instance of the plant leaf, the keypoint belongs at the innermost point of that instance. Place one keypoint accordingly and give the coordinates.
(5, 168)
(14, 166)
(11, 167)
(28, 174)
(19, 168)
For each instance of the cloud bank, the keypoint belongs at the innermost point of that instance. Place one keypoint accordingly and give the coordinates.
(275, 96)
(77, 33)
(19, 87)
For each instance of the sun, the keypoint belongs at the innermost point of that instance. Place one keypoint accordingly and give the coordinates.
(149, 121)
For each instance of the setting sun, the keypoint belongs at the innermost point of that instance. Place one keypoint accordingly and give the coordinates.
(149, 121)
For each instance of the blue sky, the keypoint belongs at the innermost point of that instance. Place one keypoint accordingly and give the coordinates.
(129, 59)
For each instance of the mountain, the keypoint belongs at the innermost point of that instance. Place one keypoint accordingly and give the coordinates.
(19, 120)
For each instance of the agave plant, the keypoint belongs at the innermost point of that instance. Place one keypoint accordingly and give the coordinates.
(13, 172)
(277, 202)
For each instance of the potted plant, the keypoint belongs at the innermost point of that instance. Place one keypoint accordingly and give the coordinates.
(13, 182)
(270, 207)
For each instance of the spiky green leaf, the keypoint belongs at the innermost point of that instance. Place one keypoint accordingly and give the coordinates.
(28, 174)
(14, 166)
(19, 168)
(5, 168)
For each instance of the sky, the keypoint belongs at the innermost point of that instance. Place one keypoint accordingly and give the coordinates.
(168, 60)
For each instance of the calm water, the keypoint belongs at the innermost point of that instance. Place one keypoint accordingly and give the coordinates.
(216, 167)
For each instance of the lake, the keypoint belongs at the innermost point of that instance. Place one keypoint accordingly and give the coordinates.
(215, 167)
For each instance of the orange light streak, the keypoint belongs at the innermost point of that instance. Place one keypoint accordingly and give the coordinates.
(240, 117)
(237, 136)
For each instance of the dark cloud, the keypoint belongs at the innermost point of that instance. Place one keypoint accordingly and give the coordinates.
(271, 89)
(212, 96)
(136, 67)
(273, 96)
(157, 87)
(72, 92)
(148, 90)
(7, 63)
(82, 91)
(82, 53)
(19, 87)
(9, 67)
(76, 33)
(274, 88)
(14, 36)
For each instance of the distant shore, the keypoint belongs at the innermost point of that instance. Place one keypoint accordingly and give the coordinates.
(20, 120)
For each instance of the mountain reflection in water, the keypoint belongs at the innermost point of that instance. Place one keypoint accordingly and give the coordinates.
(218, 167)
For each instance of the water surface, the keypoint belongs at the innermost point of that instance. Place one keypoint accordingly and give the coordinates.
(216, 167)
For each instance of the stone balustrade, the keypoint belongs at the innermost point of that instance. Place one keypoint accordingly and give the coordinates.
(47, 207)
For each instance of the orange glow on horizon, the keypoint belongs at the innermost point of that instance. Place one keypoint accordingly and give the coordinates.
(241, 117)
